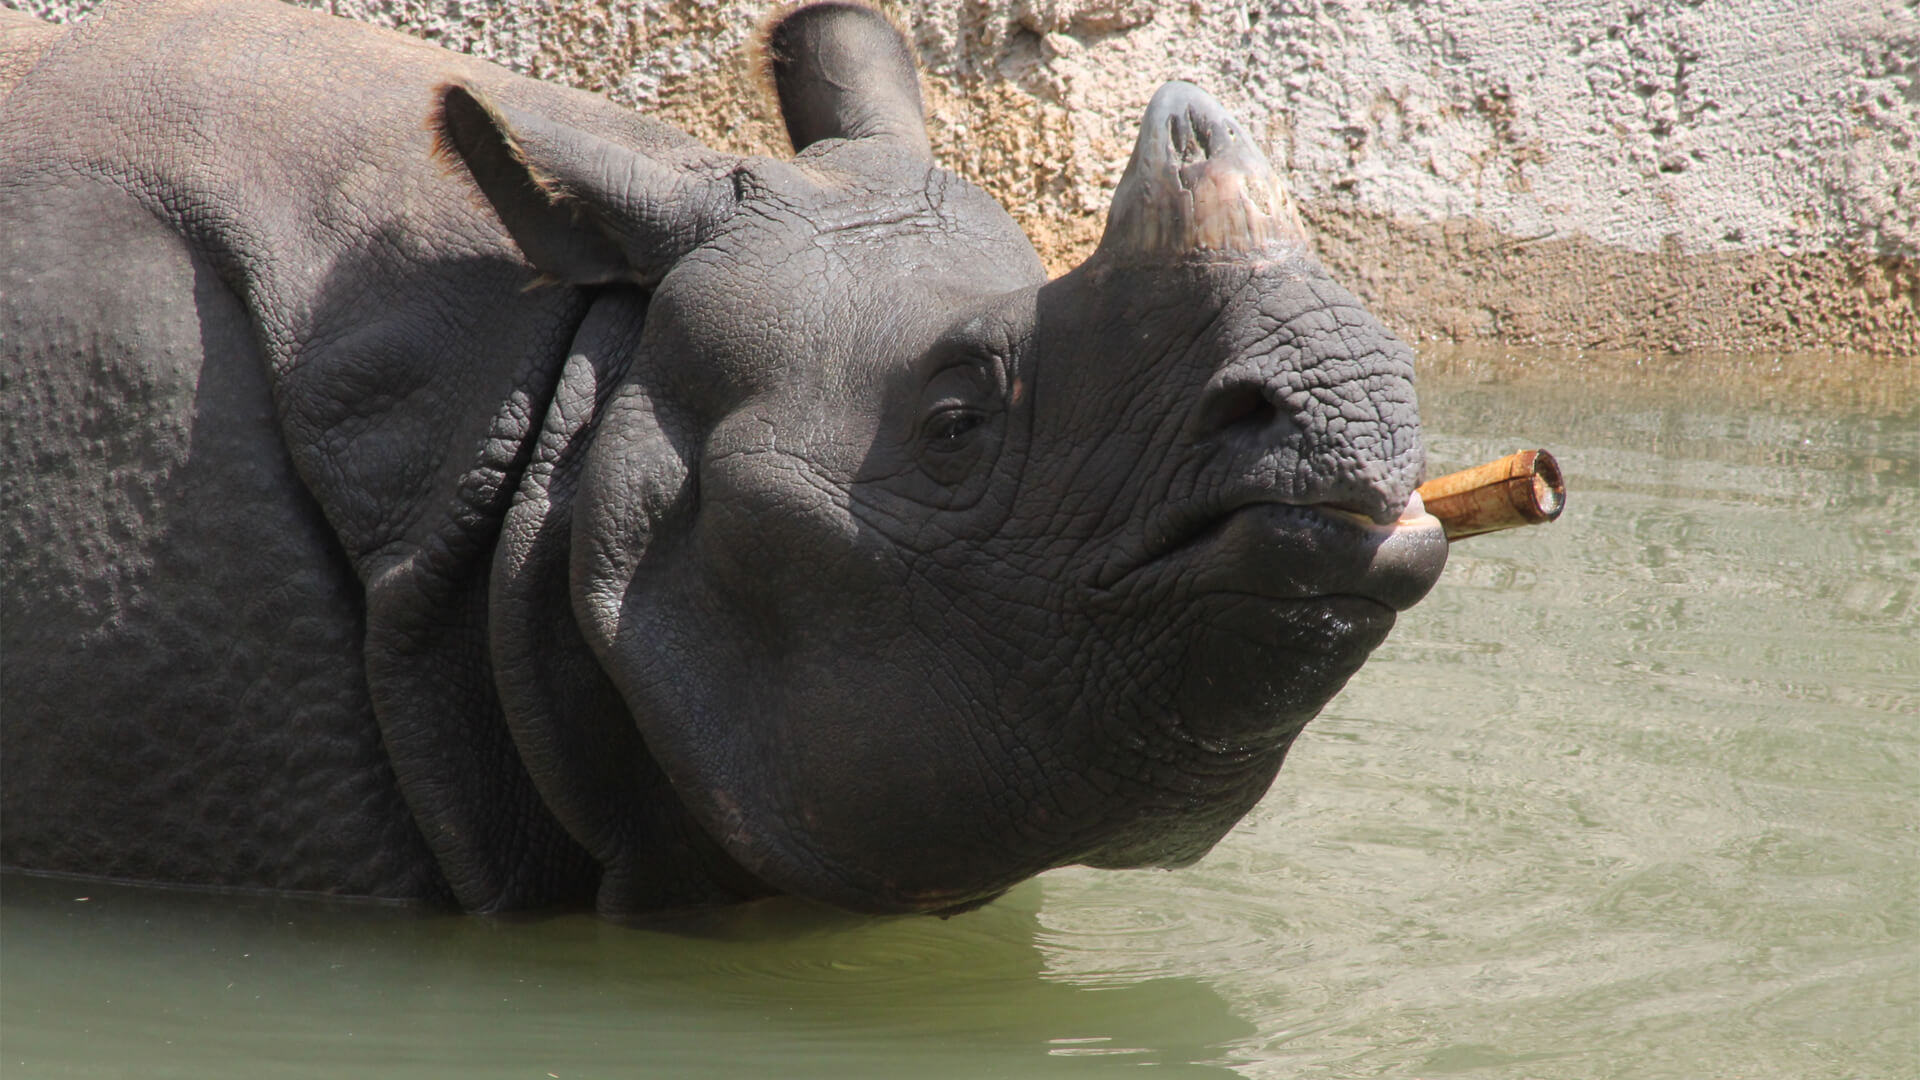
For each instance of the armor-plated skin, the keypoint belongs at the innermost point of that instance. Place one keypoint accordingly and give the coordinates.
(444, 485)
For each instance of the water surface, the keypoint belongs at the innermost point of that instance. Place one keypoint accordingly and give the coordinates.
(1634, 795)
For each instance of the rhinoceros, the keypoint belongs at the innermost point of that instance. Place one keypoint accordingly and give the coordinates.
(433, 484)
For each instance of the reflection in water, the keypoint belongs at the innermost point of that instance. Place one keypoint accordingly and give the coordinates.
(154, 983)
(1631, 795)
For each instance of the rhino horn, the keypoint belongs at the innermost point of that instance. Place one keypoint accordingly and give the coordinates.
(1197, 184)
(843, 71)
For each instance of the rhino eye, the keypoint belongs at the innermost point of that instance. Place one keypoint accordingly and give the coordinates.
(948, 428)
(960, 405)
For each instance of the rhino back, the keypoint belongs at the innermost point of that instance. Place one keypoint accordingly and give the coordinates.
(290, 151)
(328, 367)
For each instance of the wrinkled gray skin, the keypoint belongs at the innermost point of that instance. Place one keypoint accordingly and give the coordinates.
(576, 514)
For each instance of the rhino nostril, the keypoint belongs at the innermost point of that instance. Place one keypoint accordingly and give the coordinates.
(1237, 407)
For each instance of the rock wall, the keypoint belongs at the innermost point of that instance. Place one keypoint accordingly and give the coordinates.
(1622, 174)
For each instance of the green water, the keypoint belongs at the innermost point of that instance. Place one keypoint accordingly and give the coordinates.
(1635, 795)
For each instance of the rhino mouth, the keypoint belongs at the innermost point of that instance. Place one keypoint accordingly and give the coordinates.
(1290, 551)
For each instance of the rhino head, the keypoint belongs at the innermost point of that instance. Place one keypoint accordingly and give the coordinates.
(912, 572)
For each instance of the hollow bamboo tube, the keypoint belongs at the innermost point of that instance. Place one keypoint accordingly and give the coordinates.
(1523, 488)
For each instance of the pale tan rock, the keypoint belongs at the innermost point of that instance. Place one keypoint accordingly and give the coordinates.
(1653, 174)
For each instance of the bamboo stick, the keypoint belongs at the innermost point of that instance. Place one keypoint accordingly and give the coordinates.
(1523, 488)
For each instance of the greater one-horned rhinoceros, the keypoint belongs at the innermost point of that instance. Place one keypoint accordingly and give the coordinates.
(425, 482)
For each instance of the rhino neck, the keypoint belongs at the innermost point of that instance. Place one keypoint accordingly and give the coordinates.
(571, 729)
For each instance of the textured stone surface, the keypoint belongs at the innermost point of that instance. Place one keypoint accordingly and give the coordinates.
(1642, 174)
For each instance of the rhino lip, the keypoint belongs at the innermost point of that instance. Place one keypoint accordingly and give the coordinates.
(1293, 551)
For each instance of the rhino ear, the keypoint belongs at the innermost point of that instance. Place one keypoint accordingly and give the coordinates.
(583, 209)
(842, 71)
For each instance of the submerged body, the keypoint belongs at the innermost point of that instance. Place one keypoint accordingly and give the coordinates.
(438, 484)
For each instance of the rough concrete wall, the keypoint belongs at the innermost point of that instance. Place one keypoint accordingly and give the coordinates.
(1738, 174)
